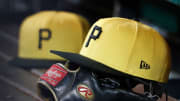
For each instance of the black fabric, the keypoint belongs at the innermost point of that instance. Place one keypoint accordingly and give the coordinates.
(173, 88)
(66, 90)
(91, 64)
(86, 62)
(32, 63)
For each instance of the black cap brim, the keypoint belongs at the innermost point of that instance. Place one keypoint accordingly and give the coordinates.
(85, 61)
(32, 63)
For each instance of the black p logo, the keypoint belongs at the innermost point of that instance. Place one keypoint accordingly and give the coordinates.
(92, 36)
(43, 38)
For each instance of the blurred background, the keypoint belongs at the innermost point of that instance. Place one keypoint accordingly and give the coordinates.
(18, 84)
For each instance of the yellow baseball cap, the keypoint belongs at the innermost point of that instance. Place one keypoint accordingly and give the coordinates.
(117, 45)
(49, 30)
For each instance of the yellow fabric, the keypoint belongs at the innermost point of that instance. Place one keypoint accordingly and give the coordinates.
(67, 34)
(124, 43)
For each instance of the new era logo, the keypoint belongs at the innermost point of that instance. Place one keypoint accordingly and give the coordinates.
(144, 65)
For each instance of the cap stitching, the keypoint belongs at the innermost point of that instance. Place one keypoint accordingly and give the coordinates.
(133, 44)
